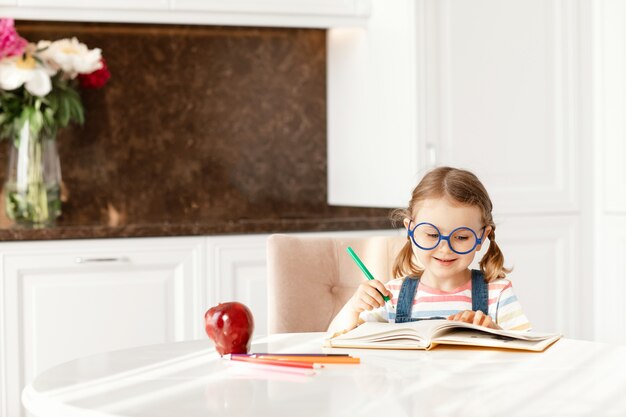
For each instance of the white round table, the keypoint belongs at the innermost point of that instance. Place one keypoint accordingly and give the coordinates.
(189, 379)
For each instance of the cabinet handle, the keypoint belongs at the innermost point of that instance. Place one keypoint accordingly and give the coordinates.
(80, 260)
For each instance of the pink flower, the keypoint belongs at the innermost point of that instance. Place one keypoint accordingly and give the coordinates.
(11, 43)
(96, 79)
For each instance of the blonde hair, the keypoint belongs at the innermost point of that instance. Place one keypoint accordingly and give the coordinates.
(465, 188)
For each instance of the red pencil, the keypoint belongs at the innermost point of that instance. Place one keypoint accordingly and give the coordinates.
(312, 359)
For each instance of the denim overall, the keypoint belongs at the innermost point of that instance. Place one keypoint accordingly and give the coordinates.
(480, 296)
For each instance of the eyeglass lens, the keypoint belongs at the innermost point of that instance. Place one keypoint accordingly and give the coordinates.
(461, 240)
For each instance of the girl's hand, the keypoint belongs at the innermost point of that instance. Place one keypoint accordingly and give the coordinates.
(368, 297)
(474, 317)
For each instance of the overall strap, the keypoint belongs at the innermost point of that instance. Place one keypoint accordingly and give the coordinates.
(480, 292)
(405, 299)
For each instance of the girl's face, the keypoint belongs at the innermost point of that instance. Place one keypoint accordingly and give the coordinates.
(441, 263)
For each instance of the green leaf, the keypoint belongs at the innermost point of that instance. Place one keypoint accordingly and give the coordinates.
(62, 106)
(36, 122)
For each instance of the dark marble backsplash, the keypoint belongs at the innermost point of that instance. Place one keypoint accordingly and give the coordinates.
(197, 124)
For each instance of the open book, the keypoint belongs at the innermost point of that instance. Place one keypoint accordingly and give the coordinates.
(426, 334)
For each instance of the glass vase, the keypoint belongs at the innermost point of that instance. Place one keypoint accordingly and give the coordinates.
(32, 191)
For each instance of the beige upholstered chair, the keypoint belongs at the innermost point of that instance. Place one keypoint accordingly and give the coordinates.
(311, 278)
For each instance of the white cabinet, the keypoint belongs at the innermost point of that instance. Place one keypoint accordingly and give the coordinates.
(303, 7)
(493, 86)
(98, 4)
(505, 98)
(275, 13)
(66, 299)
(375, 131)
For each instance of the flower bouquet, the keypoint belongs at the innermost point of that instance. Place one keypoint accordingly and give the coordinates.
(38, 95)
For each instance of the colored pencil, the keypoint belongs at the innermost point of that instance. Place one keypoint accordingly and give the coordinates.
(286, 363)
(366, 271)
(271, 368)
(312, 359)
(291, 354)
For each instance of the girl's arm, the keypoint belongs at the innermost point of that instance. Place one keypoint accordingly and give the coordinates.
(509, 314)
(367, 297)
(346, 320)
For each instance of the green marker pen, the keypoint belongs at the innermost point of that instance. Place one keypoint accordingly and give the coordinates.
(367, 273)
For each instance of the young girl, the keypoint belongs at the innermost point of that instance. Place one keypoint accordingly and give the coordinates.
(448, 220)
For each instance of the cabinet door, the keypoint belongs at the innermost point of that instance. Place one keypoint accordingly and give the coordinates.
(237, 271)
(374, 129)
(505, 103)
(64, 300)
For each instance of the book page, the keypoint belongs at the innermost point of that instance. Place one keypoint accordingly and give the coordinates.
(471, 337)
(379, 331)
(447, 327)
(381, 335)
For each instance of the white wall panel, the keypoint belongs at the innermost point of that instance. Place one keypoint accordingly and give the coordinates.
(543, 253)
(609, 266)
(610, 283)
(505, 83)
(611, 102)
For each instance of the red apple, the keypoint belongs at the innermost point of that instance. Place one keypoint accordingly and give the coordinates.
(230, 326)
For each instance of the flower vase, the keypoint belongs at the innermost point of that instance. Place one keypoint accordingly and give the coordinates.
(32, 192)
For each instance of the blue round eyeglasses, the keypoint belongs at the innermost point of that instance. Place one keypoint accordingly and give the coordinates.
(461, 240)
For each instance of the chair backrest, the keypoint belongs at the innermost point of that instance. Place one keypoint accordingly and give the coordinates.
(311, 278)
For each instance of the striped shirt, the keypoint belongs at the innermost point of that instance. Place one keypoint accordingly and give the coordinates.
(504, 307)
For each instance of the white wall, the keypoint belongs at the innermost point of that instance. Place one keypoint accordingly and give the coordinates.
(609, 133)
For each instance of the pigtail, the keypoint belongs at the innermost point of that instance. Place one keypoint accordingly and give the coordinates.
(492, 264)
(403, 265)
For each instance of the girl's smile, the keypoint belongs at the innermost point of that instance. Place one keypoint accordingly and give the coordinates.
(445, 262)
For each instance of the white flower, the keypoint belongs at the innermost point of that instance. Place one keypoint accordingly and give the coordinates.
(70, 56)
(25, 70)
